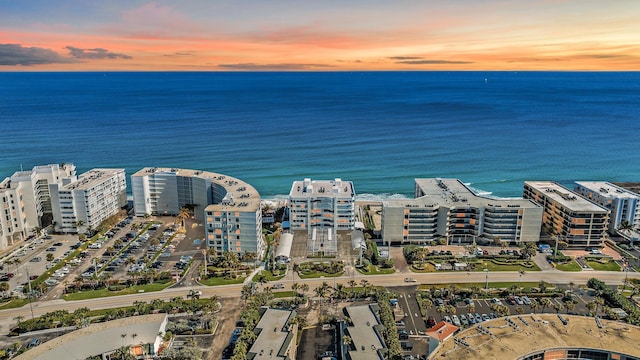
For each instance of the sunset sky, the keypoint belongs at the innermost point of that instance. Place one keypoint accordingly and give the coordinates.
(328, 35)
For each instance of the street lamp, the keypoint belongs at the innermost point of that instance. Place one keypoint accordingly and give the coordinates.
(625, 264)
(486, 278)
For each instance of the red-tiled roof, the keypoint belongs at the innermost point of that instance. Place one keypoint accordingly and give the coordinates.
(442, 331)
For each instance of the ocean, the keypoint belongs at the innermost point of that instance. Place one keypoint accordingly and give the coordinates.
(381, 130)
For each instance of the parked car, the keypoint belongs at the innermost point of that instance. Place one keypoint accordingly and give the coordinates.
(518, 300)
(431, 321)
(496, 301)
(33, 343)
(57, 244)
(447, 319)
(456, 320)
(526, 300)
(464, 321)
(471, 318)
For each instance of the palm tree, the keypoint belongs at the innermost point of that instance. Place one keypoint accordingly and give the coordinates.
(346, 340)
(570, 305)
(4, 287)
(542, 286)
(599, 302)
(519, 310)
(592, 307)
(545, 302)
(79, 224)
(37, 230)
(471, 308)
(322, 290)
(182, 215)
(535, 305)
(625, 226)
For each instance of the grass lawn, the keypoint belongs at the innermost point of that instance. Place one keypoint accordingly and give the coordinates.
(609, 266)
(92, 294)
(570, 266)
(492, 285)
(215, 281)
(14, 303)
(422, 268)
(318, 274)
(505, 267)
(374, 270)
(284, 294)
(269, 276)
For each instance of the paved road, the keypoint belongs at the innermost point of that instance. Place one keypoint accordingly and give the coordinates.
(40, 307)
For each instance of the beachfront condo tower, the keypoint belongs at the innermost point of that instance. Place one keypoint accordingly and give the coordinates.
(229, 207)
(623, 204)
(448, 209)
(568, 216)
(84, 204)
(25, 200)
(322, 203)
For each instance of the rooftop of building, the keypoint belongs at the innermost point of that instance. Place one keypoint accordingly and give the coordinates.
(24, 175)
(92, 178)
(366, 342)
(322, 188)
(240, 195)
(608, 190)
(566, 197)
(453, 192)
(98, 338)
(442, 330)
(540, 332)
(273, 336)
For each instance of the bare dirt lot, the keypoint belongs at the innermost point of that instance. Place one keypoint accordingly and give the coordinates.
(226, 323)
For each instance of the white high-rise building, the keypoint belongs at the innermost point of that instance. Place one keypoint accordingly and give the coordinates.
(322, 203)
(623, 204)
(95, 196)
(229, 207)
(25, 201)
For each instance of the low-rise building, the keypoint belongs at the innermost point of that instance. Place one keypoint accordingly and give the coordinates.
(143, 334)
(365, 332)
(448, 208)
(276, 336)
(567, 215)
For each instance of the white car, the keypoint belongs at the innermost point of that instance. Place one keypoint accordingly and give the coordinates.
(456, 320)
(410, 280)
(51, 282)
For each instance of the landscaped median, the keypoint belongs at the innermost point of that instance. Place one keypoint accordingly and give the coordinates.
(116, 290)
(374, 270)
(318, 269)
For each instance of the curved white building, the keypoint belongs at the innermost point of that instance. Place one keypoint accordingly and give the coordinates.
(229, 207)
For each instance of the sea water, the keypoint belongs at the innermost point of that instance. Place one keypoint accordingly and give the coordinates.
(381, 130)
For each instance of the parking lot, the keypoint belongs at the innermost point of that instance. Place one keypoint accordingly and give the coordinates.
(412, 326)
(132, 248)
